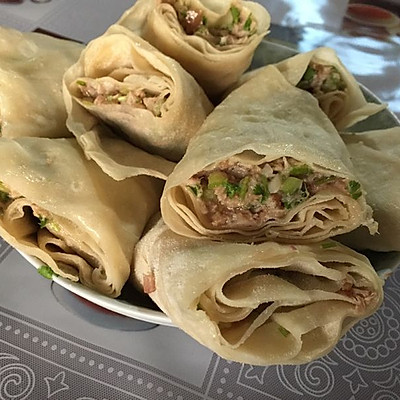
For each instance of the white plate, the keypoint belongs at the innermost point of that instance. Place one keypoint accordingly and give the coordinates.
(135, 305)
(130, 304)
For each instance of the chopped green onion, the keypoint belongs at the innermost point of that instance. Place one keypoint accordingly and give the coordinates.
(292, 200)
(309, 74)
(284, 332)
(232, 189)
(354, 189)
(204, 20)
(42, 221)
(244, 187)
(300, 170)
(328, 245)
(46, 271)
(80, 83)
(247, 24)
(195, 189)
(217, 178)
(291, 185)
(261, 189)
(235, 12)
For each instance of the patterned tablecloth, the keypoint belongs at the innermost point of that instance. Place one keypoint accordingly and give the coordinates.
(56, 346)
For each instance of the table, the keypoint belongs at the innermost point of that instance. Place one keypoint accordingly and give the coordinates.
(54, 345)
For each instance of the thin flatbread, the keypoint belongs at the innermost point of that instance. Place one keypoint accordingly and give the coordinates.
(62, 209)
(261, 304)
(213, 40)
(123, 86)
(266, 165)
(31, 69)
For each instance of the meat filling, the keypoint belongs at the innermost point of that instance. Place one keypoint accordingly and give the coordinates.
(320, 79)
(237, 27)
(103, 92)
(235, 195)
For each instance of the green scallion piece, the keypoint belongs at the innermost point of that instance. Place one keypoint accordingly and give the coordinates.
(232, 189)
(244, 187)
(328, 245)
(247, 24)
(354, 189)
(284, 332)
(300, 170)
(291, 185)
(261, 189)
(80, 83)
(216, 179)
(43, 221)
(309, 74)
(235, 12)
(195, 189)
(46, 271)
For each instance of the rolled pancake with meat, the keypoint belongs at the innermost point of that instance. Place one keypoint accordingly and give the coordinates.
(61, 208)
(260, 304)
(266, 165)
(31, 69)
(213, 40)
(323, 74)
(124, 85)
(376, 158)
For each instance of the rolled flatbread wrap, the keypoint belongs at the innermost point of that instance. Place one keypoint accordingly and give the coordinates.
(31, 69)
(266, 165)
(376, 158)
(213, 40)
(323, 74)
(143, 96)
(260, 304)
(61, 208)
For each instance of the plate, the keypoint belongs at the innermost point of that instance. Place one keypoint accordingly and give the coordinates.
(133, 304)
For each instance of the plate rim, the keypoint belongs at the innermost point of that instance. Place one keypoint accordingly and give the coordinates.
(111, 304)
